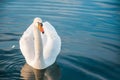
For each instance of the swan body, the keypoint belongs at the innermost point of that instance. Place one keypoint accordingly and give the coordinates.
(40, 49)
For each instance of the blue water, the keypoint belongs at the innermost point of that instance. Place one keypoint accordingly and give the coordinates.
(90, 33)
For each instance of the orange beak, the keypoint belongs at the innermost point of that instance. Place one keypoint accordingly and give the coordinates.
(40, 27)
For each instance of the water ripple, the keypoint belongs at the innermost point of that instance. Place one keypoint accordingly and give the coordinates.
(91, 67)
(89, 31)
(10, 62)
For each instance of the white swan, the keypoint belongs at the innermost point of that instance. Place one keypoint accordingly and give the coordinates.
(40, 44)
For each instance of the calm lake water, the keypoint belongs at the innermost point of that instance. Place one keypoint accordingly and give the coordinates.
(90, 33)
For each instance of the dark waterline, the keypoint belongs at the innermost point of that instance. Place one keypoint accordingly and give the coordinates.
(90, 33)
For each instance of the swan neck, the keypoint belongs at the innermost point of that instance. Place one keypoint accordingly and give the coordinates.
(38, 59)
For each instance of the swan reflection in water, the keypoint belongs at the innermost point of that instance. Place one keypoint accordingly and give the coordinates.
(50, 73)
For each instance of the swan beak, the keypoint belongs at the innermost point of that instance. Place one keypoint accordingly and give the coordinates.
(40, 27)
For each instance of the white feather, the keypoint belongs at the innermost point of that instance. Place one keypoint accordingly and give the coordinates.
(51, 44)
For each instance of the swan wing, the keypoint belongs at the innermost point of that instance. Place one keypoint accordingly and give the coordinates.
(51, 43)
(27, 44)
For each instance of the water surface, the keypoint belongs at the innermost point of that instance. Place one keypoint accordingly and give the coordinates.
(89, 29)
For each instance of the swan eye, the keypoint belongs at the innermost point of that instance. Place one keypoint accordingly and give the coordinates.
(41, 24)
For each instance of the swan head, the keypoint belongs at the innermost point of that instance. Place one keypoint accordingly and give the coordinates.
(38, 23)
